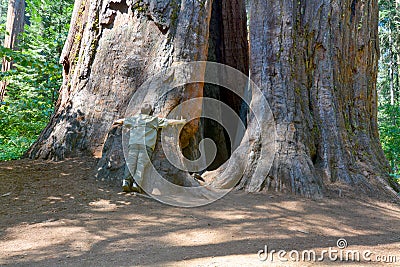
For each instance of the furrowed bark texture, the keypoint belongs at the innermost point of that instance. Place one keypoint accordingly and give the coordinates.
(112, 48)
(14, 26)
(316, 62)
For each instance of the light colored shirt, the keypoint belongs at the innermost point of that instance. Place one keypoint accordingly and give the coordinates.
(143, 129)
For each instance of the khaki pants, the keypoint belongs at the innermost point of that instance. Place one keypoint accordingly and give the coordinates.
(138, 158)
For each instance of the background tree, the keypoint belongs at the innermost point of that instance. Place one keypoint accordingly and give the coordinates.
(388, 82)
(14, 26)
(3, 17)
(36, 76)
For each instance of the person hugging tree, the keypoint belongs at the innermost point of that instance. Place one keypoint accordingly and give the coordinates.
(142, 139)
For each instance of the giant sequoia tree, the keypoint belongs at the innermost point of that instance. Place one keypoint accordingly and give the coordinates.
(314, 60)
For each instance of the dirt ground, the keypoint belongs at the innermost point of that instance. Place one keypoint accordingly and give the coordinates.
(56, 214)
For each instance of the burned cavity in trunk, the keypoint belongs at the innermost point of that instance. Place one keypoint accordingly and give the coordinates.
(227, 44)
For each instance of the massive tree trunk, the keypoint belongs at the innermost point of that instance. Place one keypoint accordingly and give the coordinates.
(14, 26)
(315, 62)
(112, 48)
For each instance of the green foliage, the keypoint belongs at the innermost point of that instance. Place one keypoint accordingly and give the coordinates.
(389, 126)
(34, 81)
(389, 83)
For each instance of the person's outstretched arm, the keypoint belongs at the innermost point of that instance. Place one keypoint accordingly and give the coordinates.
(176, 122)
(163, 122)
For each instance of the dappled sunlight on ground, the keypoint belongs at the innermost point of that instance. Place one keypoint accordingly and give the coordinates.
(57, 214)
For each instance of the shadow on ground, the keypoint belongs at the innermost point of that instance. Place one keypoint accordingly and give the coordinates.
(56, 214)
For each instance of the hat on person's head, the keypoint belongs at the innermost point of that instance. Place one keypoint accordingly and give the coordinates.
(146, 109)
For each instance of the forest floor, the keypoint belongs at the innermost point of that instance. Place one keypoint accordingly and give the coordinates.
(57, 214)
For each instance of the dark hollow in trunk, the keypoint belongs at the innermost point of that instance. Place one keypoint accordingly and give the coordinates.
(227, 45)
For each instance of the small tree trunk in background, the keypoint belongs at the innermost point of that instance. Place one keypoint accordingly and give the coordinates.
(397, 92)
(391, 65)
(14, 26)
